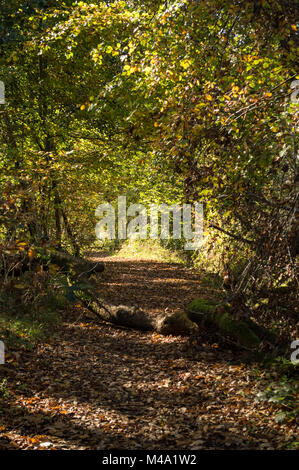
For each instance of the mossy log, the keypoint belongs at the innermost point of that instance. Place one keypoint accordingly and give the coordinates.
(245, 331)
(198, 313)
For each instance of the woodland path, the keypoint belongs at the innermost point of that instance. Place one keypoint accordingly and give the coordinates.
(97, 386)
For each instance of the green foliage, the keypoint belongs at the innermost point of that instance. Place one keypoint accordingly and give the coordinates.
(278, 385)
(30, 310)
(148, 250)
(24, 331)
(283, 394)
(113, 98)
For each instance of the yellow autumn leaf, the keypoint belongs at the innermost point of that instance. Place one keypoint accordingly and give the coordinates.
(185, 64)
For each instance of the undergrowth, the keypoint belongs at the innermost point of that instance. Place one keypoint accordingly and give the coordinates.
(30, 309)
(151, 250)
(279, 386)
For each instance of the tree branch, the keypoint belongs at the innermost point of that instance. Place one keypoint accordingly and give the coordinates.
(236, 237)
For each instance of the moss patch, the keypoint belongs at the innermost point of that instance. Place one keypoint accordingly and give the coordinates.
(238, 329)
(203, 311)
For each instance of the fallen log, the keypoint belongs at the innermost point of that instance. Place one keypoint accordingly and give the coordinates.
(122, 315)
(17, 264)
(132, 317)
(244, 331)
(200, 312)
(79, 266)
